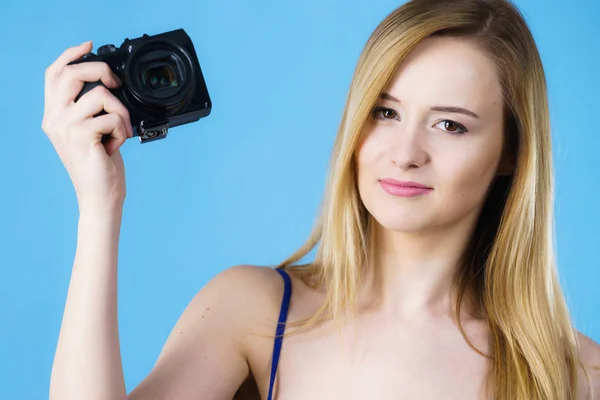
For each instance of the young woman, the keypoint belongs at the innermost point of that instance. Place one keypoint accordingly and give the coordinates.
(434, 276)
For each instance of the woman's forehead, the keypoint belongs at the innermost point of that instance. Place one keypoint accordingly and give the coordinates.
(447, 71)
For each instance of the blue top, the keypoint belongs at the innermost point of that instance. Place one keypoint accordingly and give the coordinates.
(285, 305)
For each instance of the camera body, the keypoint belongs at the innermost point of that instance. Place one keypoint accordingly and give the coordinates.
(162, 82)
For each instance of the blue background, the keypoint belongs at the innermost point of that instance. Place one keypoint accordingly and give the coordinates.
(244, 184)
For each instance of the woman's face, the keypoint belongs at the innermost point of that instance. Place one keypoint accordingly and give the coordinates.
(440, 124)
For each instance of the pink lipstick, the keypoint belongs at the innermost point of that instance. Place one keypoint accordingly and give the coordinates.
(403, 188)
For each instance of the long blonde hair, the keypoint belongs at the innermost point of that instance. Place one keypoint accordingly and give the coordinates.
(510, 261)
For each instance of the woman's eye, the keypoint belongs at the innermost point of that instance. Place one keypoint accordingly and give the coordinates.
(384, 113)
(452, 127)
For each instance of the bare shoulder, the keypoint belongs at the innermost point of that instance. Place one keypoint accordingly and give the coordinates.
(206, 354)
(249, 283)
(589, 353)
(251, 293)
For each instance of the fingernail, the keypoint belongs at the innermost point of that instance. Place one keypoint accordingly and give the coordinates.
(85, 43)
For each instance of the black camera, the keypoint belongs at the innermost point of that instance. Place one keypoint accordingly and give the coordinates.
(162, 83)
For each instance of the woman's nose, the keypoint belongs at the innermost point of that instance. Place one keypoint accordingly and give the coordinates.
(408, 147)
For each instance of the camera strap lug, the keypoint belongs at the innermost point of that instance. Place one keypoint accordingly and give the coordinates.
(153, 130)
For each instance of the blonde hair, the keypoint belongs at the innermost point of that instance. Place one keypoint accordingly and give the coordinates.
(510, 262)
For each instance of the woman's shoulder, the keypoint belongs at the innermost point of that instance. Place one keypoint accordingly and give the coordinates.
(256, 291)
(589, 353)
(252, 286)
(589, 350)
(210, 339)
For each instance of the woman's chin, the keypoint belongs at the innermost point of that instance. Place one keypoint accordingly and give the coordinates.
(408, 223)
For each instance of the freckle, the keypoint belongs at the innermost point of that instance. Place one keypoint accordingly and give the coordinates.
(203, 316)
(208, 309)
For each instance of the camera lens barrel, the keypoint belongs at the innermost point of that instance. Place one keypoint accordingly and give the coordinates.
(161, 76)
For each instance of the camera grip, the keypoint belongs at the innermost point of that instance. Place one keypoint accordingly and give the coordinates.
(87, 86)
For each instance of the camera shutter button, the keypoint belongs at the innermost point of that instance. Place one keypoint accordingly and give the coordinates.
(107, 48)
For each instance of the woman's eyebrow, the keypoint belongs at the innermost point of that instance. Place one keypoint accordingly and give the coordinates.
(387, 96)
(450, 109)
(458, 110)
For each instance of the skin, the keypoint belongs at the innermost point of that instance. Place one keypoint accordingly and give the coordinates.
(404, 337)
(404, 342)
(419, 239)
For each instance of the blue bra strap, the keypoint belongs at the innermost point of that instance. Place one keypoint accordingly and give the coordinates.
(285, 305)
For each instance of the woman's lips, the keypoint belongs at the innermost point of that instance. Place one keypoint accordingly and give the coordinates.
(403, 188)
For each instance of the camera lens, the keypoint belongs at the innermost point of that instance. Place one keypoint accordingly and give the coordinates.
(161, 77)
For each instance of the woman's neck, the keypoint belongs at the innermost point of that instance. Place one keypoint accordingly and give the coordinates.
(410, 275)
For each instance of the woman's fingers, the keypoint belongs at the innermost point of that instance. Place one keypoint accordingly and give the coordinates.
(97, 100)
(108, 124)
(73, 77)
